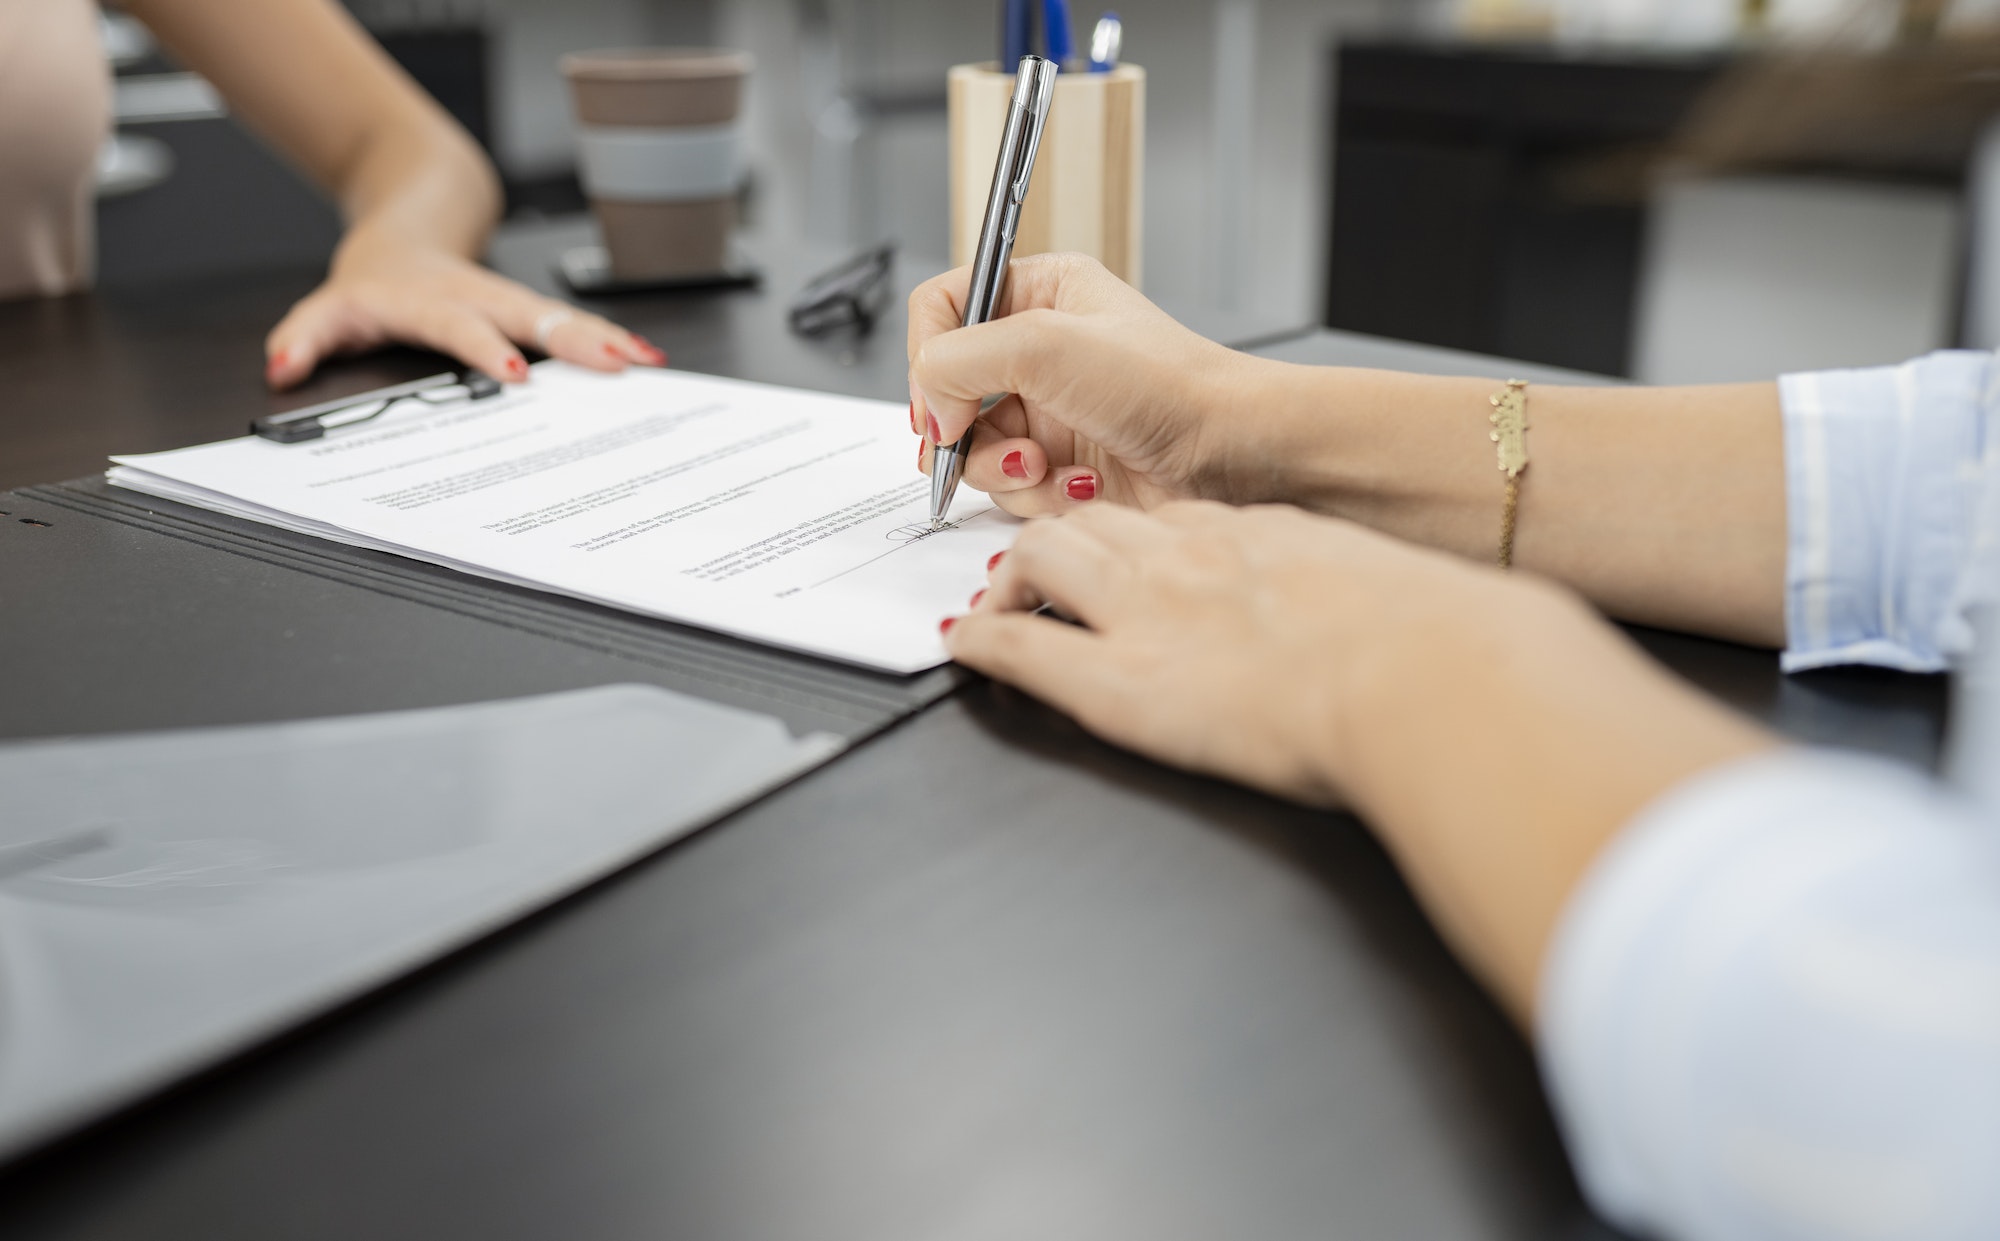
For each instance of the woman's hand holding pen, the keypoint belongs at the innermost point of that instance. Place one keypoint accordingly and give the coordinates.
(1636, 491)
(1109, 398)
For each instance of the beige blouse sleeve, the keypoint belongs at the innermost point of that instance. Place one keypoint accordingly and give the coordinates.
(55, 107)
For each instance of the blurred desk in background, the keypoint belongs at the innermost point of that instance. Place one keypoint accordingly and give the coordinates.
(1097, 998)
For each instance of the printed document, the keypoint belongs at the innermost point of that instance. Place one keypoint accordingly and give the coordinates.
(788, 517)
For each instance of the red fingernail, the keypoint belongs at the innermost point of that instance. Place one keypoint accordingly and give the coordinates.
(1014, 465)
(920, 454)
(278, 358)
(977, 595)
(1082, 487)
(516, 368)
(944, 626)
(913, 415)
(995, 562)
(611, 351)
(937, 436)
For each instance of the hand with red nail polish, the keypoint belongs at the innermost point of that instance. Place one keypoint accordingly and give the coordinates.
(420, 198)
(1491, 727)
(382, 289)
(1102, 383)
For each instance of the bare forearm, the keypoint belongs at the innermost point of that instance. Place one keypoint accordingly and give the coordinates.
(1492, 728)
(434, 189)
(306, 77)
(1498, 755)
(419, 196)
(1663, 506)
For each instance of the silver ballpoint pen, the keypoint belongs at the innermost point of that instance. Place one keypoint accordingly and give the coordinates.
(1034, 92)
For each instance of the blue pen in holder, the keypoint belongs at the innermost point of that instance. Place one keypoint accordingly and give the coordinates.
(1056, 32)
(1017, 31)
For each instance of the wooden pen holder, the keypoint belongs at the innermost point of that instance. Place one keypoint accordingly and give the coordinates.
(1088, 189)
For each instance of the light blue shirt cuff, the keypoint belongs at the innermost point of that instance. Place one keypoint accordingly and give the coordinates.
(1886, 471)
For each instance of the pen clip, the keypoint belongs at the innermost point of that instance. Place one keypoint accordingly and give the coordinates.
(1038, 105)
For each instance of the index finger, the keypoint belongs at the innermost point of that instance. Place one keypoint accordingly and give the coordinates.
(938, 304)
(1060, 664)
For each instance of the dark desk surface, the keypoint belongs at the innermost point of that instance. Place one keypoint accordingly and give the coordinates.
(1099, 1000)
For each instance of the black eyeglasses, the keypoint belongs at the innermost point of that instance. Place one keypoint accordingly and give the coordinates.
(853, 293)
(312, 422)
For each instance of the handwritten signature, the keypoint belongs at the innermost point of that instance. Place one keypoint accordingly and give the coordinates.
(918, 531)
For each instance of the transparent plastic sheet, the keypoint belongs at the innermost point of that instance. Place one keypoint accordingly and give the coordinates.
(169, 898)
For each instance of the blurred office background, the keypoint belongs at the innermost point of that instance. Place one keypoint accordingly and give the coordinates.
(1446, 171)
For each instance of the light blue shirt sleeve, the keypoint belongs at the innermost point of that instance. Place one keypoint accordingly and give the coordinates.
(1772, 1010)
(1890, 508)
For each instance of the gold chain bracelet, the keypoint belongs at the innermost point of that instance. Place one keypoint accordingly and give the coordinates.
(1510, 434)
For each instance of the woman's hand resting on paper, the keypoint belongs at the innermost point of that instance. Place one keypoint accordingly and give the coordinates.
(1109, 397)
(1491, 727)
(419, 196)
(383, 290)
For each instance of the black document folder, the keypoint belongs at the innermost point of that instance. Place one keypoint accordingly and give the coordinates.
(119, 611)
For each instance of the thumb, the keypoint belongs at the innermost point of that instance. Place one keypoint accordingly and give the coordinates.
(1029, 353)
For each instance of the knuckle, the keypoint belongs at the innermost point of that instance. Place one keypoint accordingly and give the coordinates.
(1021, 503)
(1097, 517)
(1033, 541)
(988, 641)
(1201, 559)
(1194, 514)
(1078, 263)
(1002, 641)
(937, 289)
(1272, 512)
(1040, 325)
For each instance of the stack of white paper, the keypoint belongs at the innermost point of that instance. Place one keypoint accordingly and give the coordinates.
(793, 518)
